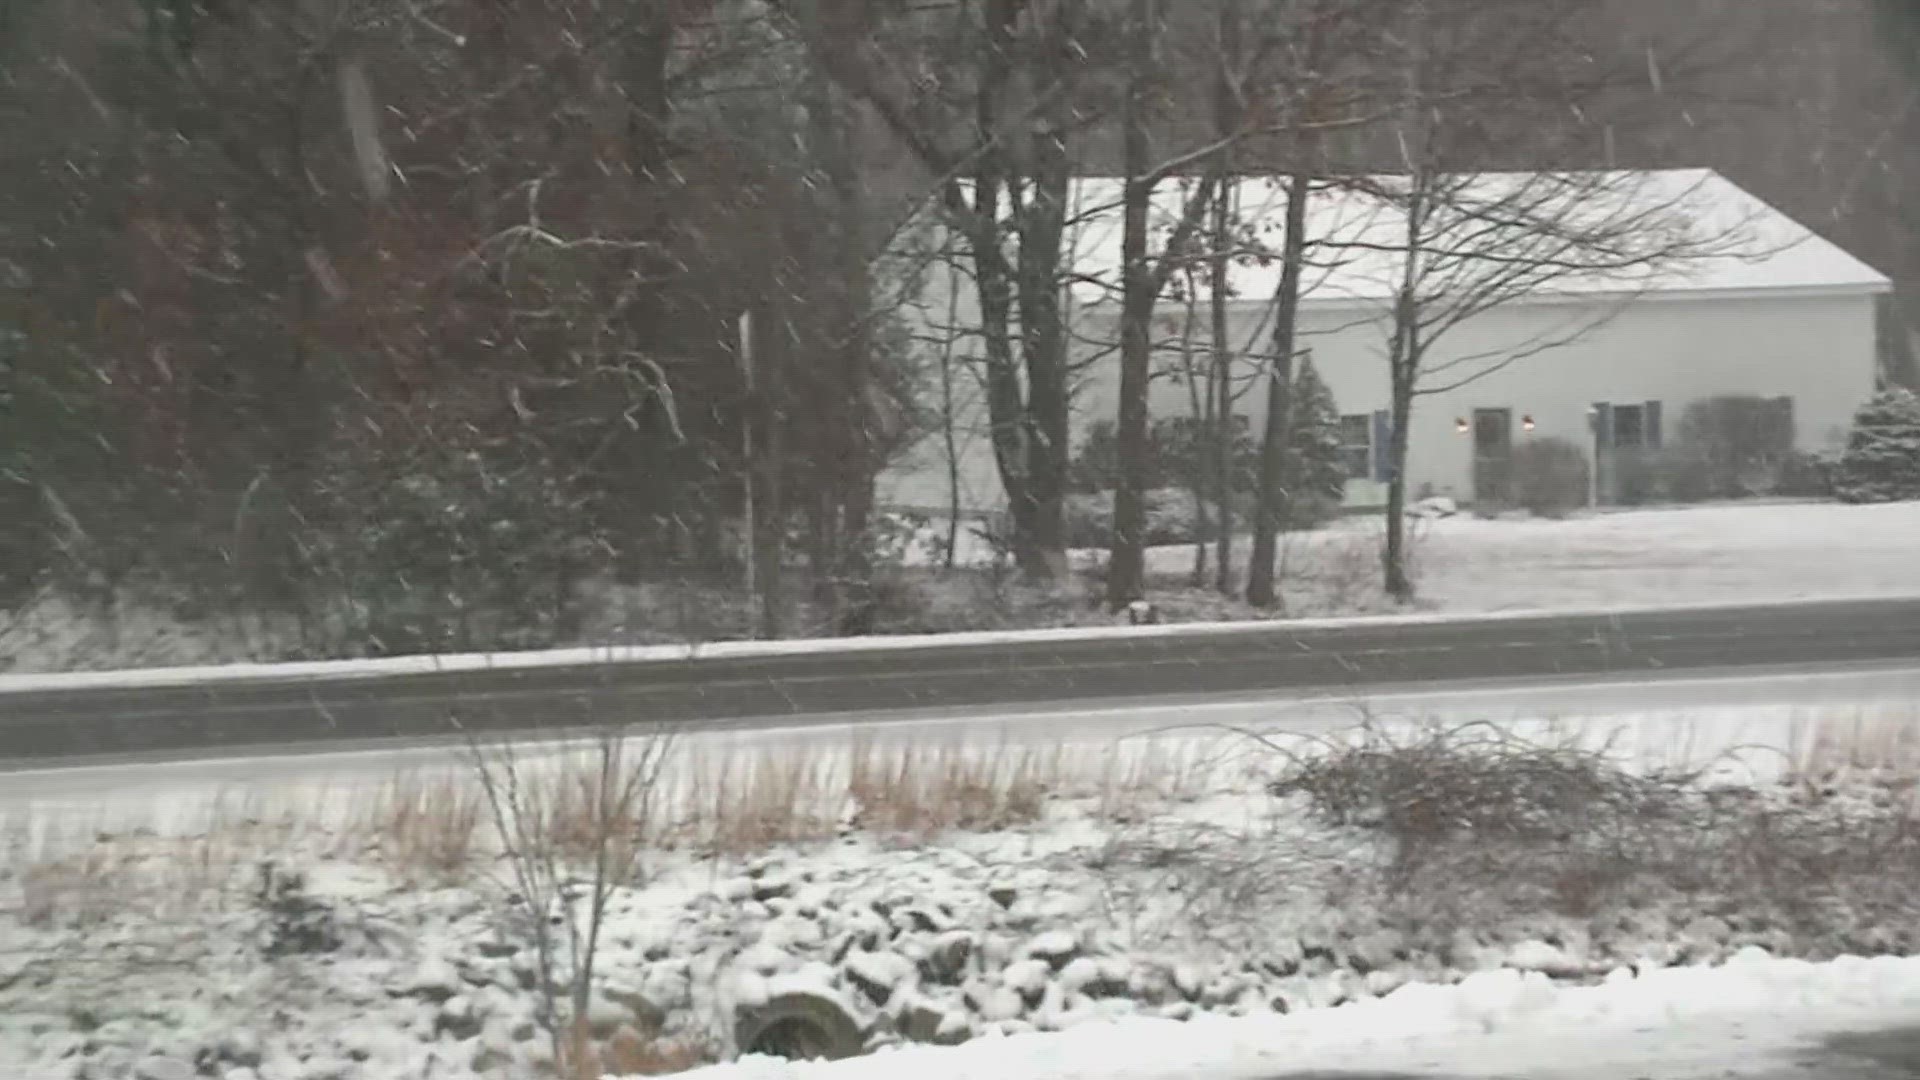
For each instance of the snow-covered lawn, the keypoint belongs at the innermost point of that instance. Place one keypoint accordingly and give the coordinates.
(1162, 903)
(1703, 554)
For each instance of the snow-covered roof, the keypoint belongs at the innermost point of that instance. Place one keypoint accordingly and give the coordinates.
(1729, 240)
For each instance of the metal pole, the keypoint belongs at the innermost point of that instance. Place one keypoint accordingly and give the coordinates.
(1593, 474)
(748, 467)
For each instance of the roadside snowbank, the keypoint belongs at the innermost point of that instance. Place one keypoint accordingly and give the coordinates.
(1675, 1023)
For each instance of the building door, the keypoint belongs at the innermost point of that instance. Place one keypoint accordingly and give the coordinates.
(1493, 457)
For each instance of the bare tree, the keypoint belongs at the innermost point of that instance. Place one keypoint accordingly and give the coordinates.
(997, 150)
(1197, 474)
(1218, 413)
(1270, 507)
(1143, 277)
(1453, 242)
(1263, 87)
(571, 838)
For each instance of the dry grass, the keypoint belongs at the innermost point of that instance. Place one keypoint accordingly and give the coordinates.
(426, 828)
(630, 1053)
(1476, 794)
(745, 800)
(749, 802)
(587, 810)
(73, 882)
(431, 828)
(1884, 743)
(75, 891)
(918, 793)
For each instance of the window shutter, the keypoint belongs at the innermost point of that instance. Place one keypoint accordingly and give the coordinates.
(1652, 425)
(1382, 434)
(1602, 425)
(1788, 436)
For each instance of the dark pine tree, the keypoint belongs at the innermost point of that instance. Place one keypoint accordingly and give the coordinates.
(1882, 459)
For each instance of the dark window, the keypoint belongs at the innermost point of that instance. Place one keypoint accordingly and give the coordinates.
(1356, 446)
(1629, 426)
(1492, 431)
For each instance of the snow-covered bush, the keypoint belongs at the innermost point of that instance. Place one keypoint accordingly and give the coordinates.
(1315, 476)
(1180, 459)
(296, 922)
(1170, 518)
(1804, 475)
(1473, 780)
(1882, 459)
(1481, 823)
(1737, 443)
(1549, 477)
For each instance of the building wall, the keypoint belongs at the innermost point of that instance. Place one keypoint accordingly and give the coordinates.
(1817, 350)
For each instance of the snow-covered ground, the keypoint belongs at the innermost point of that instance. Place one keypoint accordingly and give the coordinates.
(1722, 554)
(1753, 1016)
(1736, 552)
(1163, 907)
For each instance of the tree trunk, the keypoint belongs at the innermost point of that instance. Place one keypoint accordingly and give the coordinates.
(1270, 507)
(1126, 568)
(1019, 441)
(1403, 366)
(1006, 404)
(1200, 477)
(1220, 390)
(1393, 555)
(1007, 422)
(1044, 340)
(1226, 117)
(849, 453)
(949, 438)
(1126, 571)
(770, 547)
(1028, 423)
(1405, 348)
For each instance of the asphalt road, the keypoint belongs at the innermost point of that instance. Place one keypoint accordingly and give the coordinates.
(1256, 659)
(1874, 1054)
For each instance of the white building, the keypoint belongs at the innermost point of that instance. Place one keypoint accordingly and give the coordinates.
(1608, 361)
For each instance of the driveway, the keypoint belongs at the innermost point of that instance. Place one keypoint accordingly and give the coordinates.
(1888, 1054)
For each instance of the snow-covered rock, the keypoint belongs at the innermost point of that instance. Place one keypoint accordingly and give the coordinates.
(458, 1018)
(878, 974)
(1491, 997)
(1536, 955)
(947, 957)
(1056, 947)
(163, 1068)
(1188, 979)
(994, 1003)
(1028, 978)
(435, 979)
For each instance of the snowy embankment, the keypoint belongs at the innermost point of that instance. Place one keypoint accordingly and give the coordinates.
(1751, 1016)
(1294, 899)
